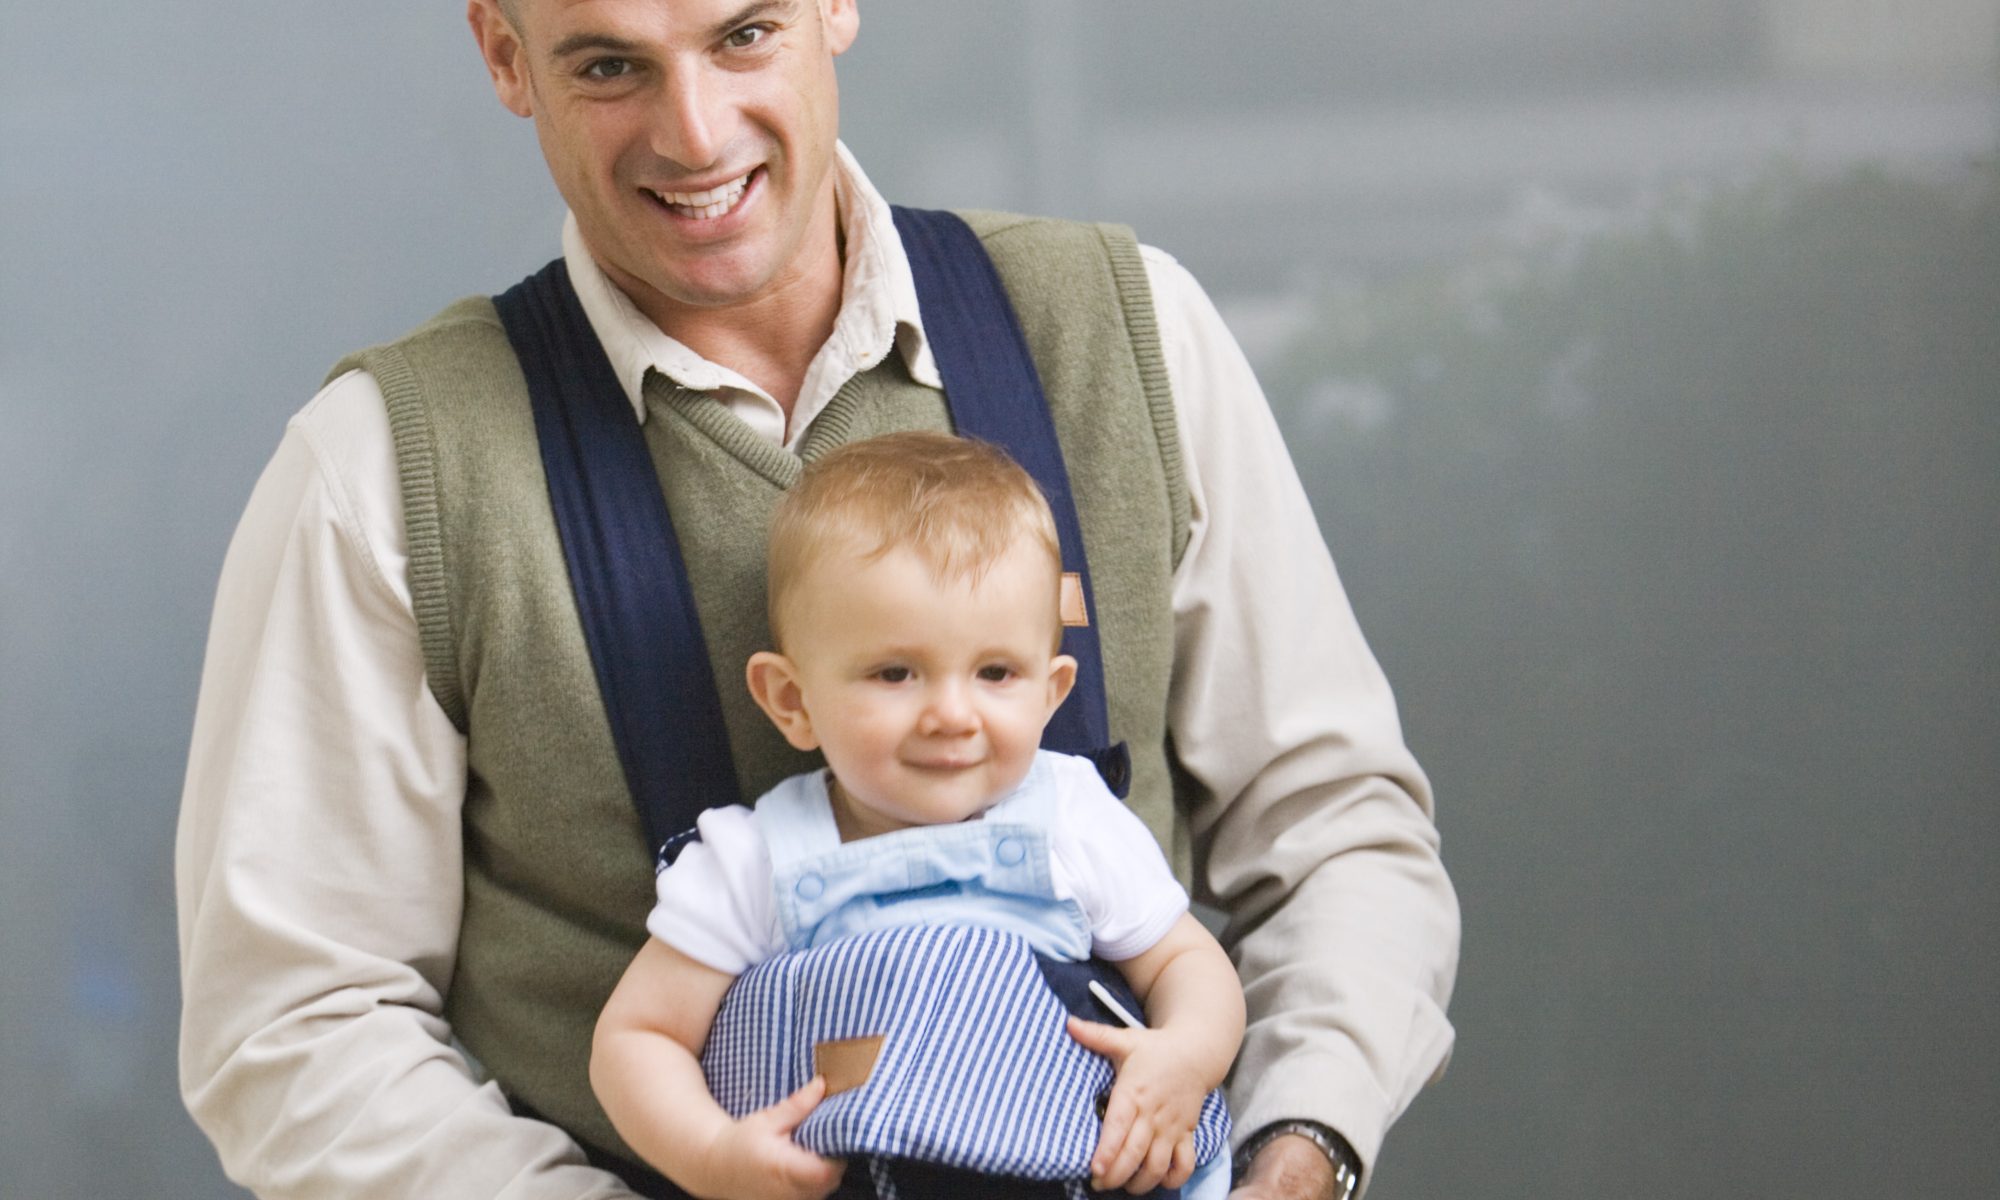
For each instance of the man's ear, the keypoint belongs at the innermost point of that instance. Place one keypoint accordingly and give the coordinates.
(774, 685)
(505, 54)
(842, 20)
(1062, 677)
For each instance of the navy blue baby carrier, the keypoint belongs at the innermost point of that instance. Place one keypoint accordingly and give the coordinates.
(638, 614)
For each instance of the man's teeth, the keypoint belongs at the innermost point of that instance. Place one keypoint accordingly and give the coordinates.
(703, 206)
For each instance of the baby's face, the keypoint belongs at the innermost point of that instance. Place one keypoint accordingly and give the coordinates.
(927, 698)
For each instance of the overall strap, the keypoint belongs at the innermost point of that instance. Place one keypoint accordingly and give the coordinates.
(995, 394)
(796, 821)
(631, 587)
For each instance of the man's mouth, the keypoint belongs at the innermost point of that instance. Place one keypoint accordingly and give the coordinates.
(708, 205)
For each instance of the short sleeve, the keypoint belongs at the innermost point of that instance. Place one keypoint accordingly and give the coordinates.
(714, 902)
(1107, 860)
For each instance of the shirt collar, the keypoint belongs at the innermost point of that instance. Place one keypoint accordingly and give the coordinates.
(878, 313)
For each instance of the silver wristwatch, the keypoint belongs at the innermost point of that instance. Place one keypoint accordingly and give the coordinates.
(1346, 1163)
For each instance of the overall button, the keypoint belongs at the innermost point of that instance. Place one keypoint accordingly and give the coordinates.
(809, 887)
(1010, 852)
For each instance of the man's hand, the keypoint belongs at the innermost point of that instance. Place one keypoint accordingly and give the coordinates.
(1148, 1137)
(1290, 1168)
(756, 1159)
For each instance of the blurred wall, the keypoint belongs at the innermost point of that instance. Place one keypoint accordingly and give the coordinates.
(1641, 362)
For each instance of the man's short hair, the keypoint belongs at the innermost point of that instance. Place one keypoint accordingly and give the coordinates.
(959, 504)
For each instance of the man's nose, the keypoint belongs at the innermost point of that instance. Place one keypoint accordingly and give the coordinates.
(692, 126)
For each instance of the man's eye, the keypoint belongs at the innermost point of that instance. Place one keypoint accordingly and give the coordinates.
(893, 674)
(746, 37)
(607, 68)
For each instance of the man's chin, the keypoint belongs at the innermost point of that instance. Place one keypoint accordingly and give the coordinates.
(716, 282)
(714, 294)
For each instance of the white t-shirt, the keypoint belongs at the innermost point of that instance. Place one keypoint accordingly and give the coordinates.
(715, 902)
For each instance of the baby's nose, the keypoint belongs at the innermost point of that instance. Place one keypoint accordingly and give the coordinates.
(948, 709)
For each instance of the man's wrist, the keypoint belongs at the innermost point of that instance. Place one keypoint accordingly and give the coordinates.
(1312, 1138)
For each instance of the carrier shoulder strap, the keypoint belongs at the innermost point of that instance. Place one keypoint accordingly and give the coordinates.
(625, 568)
(996, 395)
(626, 572)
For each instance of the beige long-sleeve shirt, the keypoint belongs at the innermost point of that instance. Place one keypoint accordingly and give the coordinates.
(318, 856)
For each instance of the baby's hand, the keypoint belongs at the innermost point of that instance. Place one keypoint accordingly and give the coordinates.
(756, 1159)
(1148, 1137)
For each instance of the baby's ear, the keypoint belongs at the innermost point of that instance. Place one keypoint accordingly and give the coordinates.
(1062, 677)
(774, 685)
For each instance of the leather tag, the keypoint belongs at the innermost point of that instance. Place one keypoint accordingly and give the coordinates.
(1071, 607)
(845, 1064)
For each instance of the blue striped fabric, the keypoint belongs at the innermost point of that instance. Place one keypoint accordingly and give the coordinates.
(976, 1069)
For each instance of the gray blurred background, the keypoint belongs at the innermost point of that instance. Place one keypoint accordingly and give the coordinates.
(1641, 361)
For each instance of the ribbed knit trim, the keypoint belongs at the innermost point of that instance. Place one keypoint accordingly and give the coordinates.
(1135, 294)
(830, 428)
(724, 428)
(416, 461)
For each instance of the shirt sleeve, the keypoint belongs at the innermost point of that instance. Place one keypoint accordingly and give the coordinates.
(715, 902)
(1312, 821)
(1106, 859)
(317, 859)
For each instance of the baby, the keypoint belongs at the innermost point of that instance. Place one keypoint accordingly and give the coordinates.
(915, 585)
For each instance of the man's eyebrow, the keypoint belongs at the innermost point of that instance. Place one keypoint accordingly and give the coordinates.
(749, 13)
(576, 43)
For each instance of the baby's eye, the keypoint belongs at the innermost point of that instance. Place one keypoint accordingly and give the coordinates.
(893, 674)
(996, 673)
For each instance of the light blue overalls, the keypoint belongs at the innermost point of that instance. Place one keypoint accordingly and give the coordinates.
(928, 935)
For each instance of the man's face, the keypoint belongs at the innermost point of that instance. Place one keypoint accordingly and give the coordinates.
(692, 139)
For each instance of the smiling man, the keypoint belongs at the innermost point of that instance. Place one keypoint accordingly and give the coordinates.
(695, 146)
(409, 866)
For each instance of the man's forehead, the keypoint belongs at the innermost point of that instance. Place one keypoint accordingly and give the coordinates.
(679, 14)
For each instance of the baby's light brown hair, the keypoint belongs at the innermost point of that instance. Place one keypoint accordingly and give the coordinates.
(958, 504)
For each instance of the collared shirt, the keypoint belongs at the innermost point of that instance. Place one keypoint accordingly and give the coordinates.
(878, 314)
(318, 864)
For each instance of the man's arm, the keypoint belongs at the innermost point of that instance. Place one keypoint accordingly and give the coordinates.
(317, 861)
(1314, 831)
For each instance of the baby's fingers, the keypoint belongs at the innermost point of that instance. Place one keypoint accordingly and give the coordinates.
(1110, 1041)
(807, 1175)
(785, 1115)
(1159, 1157)
(1183, 1165)
(1130, 1156)
(1111, 1140)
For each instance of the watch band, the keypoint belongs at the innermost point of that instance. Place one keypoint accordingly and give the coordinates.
(1346, 1163)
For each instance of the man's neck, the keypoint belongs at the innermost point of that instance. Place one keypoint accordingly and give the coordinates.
(770, 343)
(771, 339)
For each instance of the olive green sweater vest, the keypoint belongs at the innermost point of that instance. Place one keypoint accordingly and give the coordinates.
(558, 877)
